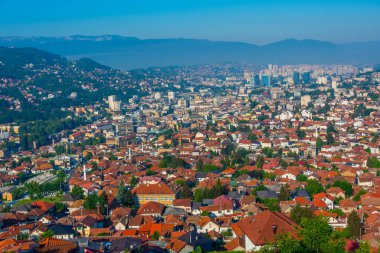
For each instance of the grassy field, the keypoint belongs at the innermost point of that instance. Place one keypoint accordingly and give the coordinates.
(51, 199)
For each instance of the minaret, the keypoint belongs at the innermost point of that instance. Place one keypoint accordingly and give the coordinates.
(142, 147)
(84, 172)
(129, 153)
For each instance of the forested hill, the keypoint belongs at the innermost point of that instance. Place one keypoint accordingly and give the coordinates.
(18, 62)
(37, 85)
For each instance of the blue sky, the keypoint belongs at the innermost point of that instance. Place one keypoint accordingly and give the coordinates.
(254, 21)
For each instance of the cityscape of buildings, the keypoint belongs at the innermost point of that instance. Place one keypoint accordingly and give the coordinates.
(219, 157)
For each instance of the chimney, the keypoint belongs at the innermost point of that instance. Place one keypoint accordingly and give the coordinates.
(274, 229)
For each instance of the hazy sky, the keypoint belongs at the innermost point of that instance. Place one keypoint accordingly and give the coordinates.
(255, 21)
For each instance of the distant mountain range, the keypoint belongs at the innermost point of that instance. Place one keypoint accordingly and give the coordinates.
(130, 52)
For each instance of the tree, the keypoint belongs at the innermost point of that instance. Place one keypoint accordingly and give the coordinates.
(150, 172)
(186, 192)
(199, 165)
(18, 192)
(301, 178)
(354, 225)
(252, 137)
(129, 199)
(156, 235)
(330, 138)
(60, 207)
(91, 202)
(364, 247)
(344, 185)
(198, 249)
(260, 162)
(260, 187)
(24, 142)
(315, 234)
(47, 234)
(313, 187)
(103, 202)
(319, 143)
(358, 195)
(285, 243)
(331, 128)
(61, 176)
(77, 192)
(34, 190)
(373, 162)
(272, 204)
(298, 213)
(268, 152)
(134, 181)
(121, 194)
(284, 193)
(60, 149)
(88, 156)
(301, 133)
(124, 197)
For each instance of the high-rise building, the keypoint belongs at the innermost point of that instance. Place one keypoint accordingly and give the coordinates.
(114, 105)
(157, 95)
(248, 77)
(296, 77)
(305, 100)
(182, 103)
(256, 80)
(111, 99)
(265, 80)
(306, 77)
(171, 95)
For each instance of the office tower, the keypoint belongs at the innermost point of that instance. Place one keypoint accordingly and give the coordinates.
(171, 95)
(305, 100)
(270, 68)
(306, 77)
(248, 77)
(182, 103)
(265, 80)
(157, 95)
(114, 105)
(256, 80)
(216, 101)
(111, 99)
(296, 77)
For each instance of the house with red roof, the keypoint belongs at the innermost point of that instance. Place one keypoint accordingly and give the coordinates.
(151, 209)
(160, 193)
(323, 201)
(267, 226)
